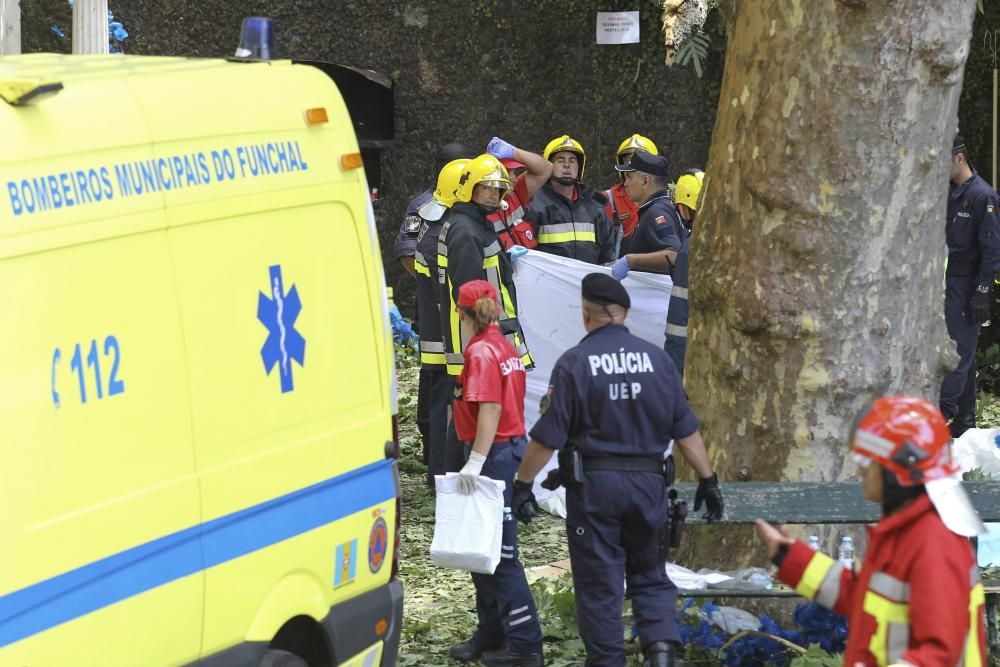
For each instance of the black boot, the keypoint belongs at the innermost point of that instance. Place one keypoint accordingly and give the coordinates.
(504, 658)
(471, 650)
(961, 424)
(659, 654)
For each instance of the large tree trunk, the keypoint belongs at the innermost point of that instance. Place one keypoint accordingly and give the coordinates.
(817, 268)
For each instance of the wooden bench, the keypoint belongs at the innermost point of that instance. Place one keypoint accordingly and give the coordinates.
(810, 503)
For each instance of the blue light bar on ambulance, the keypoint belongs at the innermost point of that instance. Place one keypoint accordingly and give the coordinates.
(256, 38)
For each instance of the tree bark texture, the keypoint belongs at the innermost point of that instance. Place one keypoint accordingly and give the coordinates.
(817, 267)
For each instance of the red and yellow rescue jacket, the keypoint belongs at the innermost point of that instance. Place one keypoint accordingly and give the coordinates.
(622, 211)
(916, 601)
(509, 223)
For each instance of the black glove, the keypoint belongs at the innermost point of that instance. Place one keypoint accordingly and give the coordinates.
(523, 505)
(709, 493)
(979, 304)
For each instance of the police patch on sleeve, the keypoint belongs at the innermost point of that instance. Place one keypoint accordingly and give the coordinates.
(661, 220)
(543, 405)
(411, 224)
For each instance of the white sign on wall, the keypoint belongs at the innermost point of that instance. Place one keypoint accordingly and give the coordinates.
(617, 27)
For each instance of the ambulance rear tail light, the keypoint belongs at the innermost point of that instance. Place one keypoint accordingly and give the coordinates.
(350, 161)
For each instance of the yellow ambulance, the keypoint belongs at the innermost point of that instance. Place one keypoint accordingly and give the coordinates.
(196, 378)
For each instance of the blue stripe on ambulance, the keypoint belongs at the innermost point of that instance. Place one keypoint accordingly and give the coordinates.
(90, 587)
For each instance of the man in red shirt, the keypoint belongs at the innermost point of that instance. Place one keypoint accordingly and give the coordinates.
(917, 599)
(489, 417)
(528, 171)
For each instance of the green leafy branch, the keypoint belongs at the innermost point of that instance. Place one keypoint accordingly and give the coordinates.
(694, 51)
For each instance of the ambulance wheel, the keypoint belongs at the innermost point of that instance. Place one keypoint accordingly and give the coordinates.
(276, 658)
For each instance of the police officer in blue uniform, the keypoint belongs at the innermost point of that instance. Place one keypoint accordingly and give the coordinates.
(659, 228)
(972, 232)
(613, 406)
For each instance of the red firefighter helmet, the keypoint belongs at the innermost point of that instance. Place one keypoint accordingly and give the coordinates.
(905, 435)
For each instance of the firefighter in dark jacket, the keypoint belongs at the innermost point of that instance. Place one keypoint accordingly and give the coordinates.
(569, 216)
(972, 231)
(469, 249)
(434, 213)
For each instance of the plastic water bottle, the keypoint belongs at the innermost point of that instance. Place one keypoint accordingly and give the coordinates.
(846, 552)
(814, 542)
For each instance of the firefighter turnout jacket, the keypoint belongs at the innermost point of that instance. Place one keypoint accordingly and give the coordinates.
(468, 249)
(579, 228)
(428, 311)
(917, 600)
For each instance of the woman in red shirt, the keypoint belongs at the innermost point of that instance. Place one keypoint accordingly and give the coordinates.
(489, 417)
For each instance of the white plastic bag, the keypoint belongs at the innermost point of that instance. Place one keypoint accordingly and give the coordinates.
(468, 529)
(978, 448)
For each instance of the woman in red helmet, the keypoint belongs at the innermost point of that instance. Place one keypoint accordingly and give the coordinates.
(917, 599)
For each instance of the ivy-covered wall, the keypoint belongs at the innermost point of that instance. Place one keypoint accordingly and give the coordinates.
(975, 111)
(527, 70)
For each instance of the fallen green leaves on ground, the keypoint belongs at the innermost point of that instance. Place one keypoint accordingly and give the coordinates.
(439, 608)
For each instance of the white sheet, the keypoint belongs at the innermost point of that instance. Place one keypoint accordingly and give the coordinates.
(548, 300)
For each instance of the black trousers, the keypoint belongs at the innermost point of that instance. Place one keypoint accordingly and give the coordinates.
(437, 398)
(958, 389)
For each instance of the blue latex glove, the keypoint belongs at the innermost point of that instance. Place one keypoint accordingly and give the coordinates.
(402, 332)
(516, 252)
(620, 268)
(499, 148)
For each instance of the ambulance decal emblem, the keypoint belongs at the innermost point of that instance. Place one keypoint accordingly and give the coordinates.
(278, 314)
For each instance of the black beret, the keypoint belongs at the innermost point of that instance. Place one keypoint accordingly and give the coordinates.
(602, 289)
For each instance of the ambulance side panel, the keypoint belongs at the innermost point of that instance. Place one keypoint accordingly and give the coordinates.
(98, 485)
(283, 339)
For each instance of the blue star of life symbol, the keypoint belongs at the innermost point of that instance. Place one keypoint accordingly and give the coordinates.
(284, 344)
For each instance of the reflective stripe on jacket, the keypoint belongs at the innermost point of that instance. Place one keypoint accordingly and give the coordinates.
(578, 229)
(511, 226)
(428, 312)
(917, 599)
(677, 310)
(468, 249)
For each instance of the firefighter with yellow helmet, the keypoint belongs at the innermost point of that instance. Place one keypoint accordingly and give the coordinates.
(569, 216)
(437, 383)
(621, 210)
(468, 249)
(687, 192)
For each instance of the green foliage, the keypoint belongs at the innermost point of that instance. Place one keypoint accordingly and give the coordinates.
(817, 657)
(694, 51)
(975, 109)
(987, 411)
